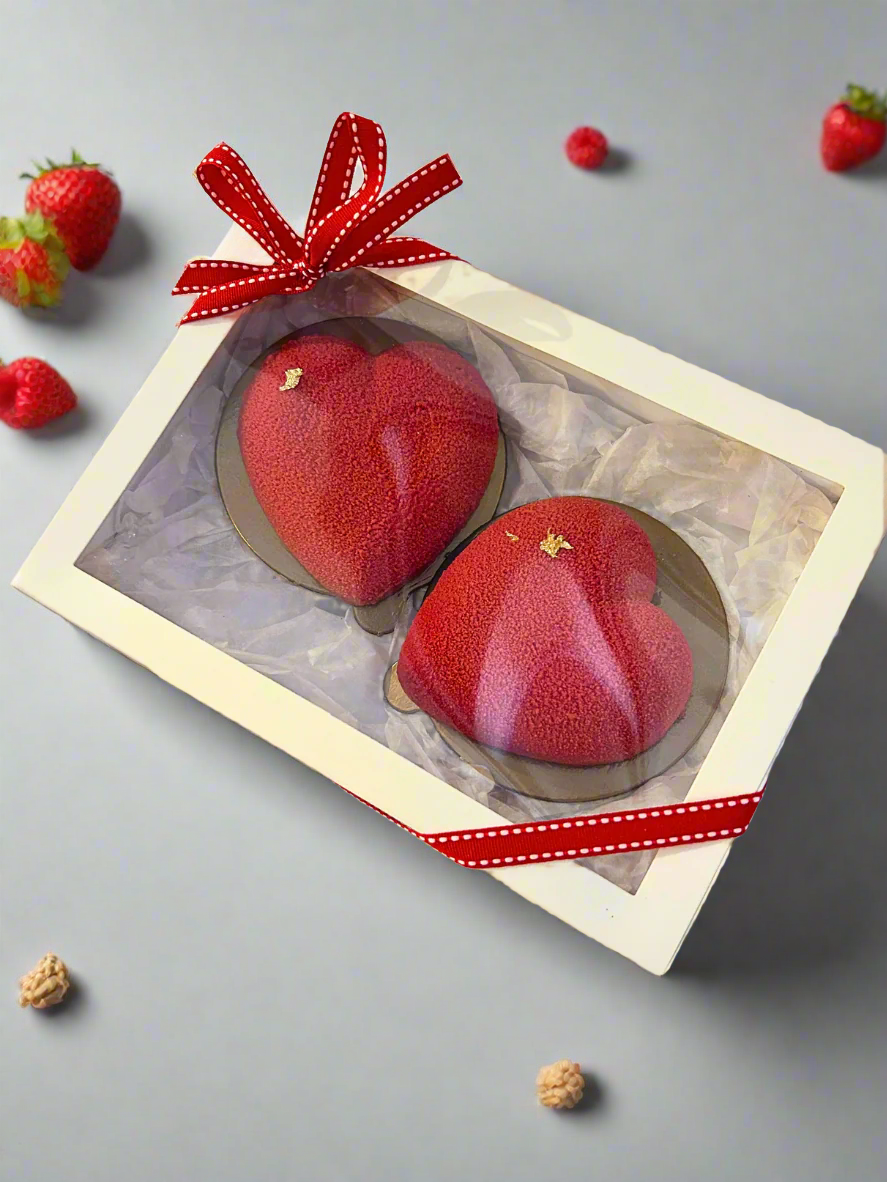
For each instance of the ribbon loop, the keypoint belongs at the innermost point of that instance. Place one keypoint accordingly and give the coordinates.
(353, 139)
(343, 229)
(230, 183)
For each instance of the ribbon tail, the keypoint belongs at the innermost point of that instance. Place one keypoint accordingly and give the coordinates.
(399, 251)
(232, 297)
(388, 214)
(202, 274)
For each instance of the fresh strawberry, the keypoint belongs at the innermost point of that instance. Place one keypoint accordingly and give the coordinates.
(33, 263)
(32, 393)
(82, 201)
(854, 129)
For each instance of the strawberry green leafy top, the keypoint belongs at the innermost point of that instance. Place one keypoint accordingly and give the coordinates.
(43, 285)
(865, 102)
(76, 161)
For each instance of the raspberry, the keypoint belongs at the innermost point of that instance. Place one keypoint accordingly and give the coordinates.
(586, 147)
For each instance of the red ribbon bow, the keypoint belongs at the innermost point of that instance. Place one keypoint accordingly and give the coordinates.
(343, 229)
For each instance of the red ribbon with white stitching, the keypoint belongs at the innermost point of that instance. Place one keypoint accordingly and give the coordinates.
(633, 831)
(343, 230)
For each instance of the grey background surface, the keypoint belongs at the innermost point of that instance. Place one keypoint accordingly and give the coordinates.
(275, 983)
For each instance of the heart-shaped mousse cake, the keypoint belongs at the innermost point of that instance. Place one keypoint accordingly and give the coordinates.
(540, 638)
(367, 466)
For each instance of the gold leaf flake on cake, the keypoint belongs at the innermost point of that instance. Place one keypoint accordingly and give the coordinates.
(552, 545)
(292, 377)
(511, 537)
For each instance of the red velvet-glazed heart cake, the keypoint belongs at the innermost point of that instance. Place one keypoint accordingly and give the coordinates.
(367, 466)
(540, 638)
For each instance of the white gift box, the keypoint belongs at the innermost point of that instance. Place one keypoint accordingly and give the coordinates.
(648, 919)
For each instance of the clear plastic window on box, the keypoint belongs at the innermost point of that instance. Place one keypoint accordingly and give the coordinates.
(537, 586)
